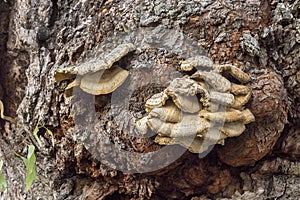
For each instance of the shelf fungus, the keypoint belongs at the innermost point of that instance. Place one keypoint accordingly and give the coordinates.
(197, 61)
(202, 109)
(97, 76)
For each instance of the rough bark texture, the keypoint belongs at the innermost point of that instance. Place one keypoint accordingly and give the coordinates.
(38, 36)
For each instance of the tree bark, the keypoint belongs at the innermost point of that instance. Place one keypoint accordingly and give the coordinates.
(40, 36)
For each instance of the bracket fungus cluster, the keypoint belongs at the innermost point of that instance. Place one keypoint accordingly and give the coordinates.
(207, 106)
(98, 76)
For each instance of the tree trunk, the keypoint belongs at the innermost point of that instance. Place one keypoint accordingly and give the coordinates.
(104, 158)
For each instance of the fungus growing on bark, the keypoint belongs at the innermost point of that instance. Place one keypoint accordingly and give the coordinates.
(203, 106)
(97, 76)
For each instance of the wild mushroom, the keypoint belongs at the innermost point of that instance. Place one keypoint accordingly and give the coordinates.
(190, 125)
(157, 100)
(168, 113)
(235, 72)
(213, 79)
(103, 82)
(188, 104)
(94, 65)
(172, 114)
(221, 98)
(201, 61)
(183, 92)
(230, 115)
(141, 125)
(233, 129)
(193, 144)
(97, 76)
